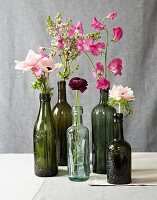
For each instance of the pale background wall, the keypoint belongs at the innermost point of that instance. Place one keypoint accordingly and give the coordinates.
(22, 26)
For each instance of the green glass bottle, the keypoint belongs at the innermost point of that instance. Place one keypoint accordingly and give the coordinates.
(78, 148)
(45, 161)
(102, 132)
(119, 156)
(62, 120)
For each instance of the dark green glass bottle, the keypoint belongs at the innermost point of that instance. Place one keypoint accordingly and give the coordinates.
(119, 156)
(102, 132)
(45, 161)
(62, 118)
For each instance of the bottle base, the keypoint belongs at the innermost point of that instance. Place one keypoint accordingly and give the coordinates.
(78, 179)
(46, 174)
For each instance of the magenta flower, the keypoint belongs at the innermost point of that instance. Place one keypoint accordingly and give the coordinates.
(119, 92)
(118, 33)
(77, 83)
(103, 84)
(97, 25)
(76, 29)
(111, 15)
(116, 66)
(60, 44)
(99, 70)
(80, 45)
(96, 48)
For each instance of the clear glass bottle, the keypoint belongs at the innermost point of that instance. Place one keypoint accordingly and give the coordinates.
(62, 120)
(78, 148)
(119, 156)
(45, 162)
(102, 132)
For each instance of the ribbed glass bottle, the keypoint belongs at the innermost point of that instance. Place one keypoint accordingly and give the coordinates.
(62, 120)
(78, 148)
(102, 132)
(45, 162)
(119, 156)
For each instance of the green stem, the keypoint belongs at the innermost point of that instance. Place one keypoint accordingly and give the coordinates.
(119, 108)
(90, 60)
(36, 79)
(106, 52)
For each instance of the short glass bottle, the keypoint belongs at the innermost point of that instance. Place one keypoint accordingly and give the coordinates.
(119, 155)
(62, 120)
(78, 148)
(45, 161)
(102, 132)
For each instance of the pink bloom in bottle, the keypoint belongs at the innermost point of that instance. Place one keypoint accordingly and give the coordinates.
(116, 66)
(76, 29)
(60, 44)
(98, 26)
(99, 70)
(103, 84)
(118, 33)
(111, 15)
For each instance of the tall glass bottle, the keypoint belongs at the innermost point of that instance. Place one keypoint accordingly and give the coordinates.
(62, 120)
(102, 132)
(119, 156)
(78, 148)
(45, 161)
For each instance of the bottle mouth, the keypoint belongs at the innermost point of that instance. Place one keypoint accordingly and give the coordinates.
(43, 96)
(118, 116)
(61, 82)
(77, 110)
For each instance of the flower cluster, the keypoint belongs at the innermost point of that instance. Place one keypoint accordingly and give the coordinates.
(88, 44)
(121, 96)
(41, 65)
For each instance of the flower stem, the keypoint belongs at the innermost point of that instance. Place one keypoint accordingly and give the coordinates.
(36, 79)
(119, 108)
(106, 52)
(90, 60)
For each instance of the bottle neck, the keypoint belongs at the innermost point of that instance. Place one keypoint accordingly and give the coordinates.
(77, 120)
(61, 91)
(45, 102)
(103, 96)
(118, 127)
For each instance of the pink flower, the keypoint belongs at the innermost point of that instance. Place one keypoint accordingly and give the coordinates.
(116, 66)
(96, 48)
(99, 70)
(119, 92)
(111, 15)
(118, 33)
(103, 84)
(38, 71)
(60, 44)
(80, 45)
(43, 61)
(97, 25)
(31, 60)
(76, 29)
(41, 49)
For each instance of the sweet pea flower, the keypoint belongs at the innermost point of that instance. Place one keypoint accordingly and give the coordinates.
(80, 45)
(119, 92)
(96, 48)
(98, 26)
(99, 70)
(111, 15)
(76, 29)
(103, 84)
(116, 66)
(60, 44)
(118, 33)
(41, 49)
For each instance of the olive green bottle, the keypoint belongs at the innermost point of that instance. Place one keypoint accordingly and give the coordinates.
(45, 159)
(102, 132)
(62, 120)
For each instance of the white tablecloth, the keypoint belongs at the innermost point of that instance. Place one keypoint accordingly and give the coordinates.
(18, 182)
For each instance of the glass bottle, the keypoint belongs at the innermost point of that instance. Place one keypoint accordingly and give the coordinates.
(102, 132)
(78, 148)
(62, 120)
(119, 156)
(45, 161)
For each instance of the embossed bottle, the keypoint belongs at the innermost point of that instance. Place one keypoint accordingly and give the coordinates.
(119, 155)
(45, 162)
(62, 120)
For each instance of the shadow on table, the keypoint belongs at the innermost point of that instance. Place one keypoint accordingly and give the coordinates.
(62, 172)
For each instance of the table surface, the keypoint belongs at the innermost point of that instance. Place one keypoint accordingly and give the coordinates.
(18, 182)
